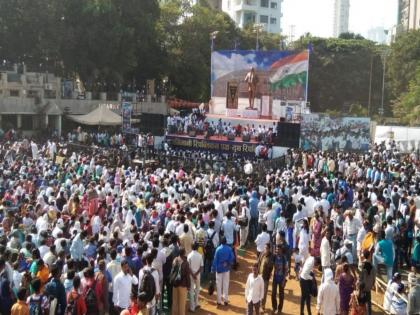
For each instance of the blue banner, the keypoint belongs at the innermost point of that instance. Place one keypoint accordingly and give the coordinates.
(126, 110)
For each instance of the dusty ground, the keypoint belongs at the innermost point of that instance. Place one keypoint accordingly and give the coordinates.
(237, 288)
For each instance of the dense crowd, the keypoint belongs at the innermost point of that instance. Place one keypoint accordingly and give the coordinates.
(87, 237)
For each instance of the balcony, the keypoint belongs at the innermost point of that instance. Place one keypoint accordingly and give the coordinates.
(241, 5)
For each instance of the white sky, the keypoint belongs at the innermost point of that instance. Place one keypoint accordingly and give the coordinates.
(316, 16)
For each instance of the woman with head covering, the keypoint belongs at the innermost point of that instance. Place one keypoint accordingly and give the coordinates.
(328, 301)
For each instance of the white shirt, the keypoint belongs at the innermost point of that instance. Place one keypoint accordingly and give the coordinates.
(360, 237)
(122, 289)
(254, 289)
(303, 240)
(155, 275)
(307, 268)
(262, 239)
(195, 260)
(328, 298)
(268, 217)
(351, 227)
(325, 253)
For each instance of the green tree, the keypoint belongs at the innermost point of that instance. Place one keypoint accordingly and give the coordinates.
(188, 47)
(339, 73)
(403, 61)
(407, 106)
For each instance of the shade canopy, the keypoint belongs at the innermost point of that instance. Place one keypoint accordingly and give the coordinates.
(101, 116)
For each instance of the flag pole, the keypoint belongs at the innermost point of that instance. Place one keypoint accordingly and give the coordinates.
(308, 49)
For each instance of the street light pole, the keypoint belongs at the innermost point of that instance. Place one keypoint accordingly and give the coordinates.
(258, 28)
(370, 85)
(213, 37)
(384, 54)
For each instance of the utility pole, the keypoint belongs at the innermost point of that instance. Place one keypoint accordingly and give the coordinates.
(258, 28)
(370, 85)
(384, 55)
(213, 36)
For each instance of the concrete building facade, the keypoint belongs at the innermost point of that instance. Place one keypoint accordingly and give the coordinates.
(36, 101)
(249, 12)
(408, 15)
(341, 17)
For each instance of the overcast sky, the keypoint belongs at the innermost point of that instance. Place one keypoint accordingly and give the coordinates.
(316, 16)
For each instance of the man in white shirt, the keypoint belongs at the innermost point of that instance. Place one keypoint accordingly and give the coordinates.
(262, 239)
(113, 267)
(122, 287)
(268, 218)
(305, 280)
(351, 226)
(262, 208)
(195, 260)
(245, 213)
(328, 295)
(254, 291)
(151, 306)
(326, 251)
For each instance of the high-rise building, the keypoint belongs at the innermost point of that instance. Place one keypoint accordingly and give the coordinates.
(408, 15)
(341, 17)
(378, 34)
(246, 12)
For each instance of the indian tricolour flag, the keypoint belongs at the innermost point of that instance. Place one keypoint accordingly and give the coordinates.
(289, 71)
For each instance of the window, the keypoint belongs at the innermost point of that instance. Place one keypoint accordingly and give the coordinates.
(273, 21)
(249, 18)
(263, 19)
(274, 5)
(14, 93)
(264, 3)
(32, 94)
(27, 122)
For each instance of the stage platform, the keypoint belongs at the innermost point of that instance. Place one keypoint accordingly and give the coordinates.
(234, 121)
(219, 144)
(218, 107)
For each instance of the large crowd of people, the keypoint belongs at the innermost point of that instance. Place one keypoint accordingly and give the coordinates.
(87, 237)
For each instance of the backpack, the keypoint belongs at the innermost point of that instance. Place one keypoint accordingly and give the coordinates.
(91, 299)
(176, 277)
(71, 308)
(148, 285)
(209, 247)
(35, 306)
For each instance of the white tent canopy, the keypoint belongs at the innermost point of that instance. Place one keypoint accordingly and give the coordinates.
(407, 139)
(101, 116)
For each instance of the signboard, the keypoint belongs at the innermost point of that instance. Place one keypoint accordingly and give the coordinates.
(232, 95)
(126, 110)
(281, 74)
(323, 132)
(245, 148)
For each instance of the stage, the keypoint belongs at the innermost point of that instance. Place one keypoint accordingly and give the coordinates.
(219, 144)
(234, 121)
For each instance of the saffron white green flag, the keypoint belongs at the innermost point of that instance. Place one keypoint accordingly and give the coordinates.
(290, 71)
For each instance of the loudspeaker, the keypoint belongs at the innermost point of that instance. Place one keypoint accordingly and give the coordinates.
(288, 135)
(192, 133)
(231, 137)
